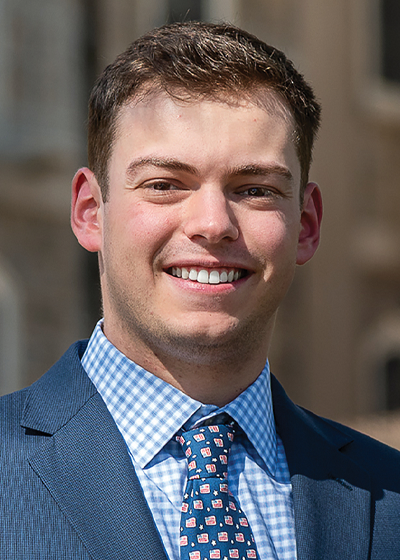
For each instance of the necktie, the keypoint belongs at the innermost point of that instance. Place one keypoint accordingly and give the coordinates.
(212, 524)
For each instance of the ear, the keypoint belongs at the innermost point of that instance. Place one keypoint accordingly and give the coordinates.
(86, 210)
(311, 216)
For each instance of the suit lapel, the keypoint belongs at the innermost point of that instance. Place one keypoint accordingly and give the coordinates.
(86, 467)
(331, 494)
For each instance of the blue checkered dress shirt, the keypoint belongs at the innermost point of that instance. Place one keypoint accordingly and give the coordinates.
(149, 412)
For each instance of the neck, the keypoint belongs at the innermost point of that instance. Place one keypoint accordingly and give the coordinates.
(211, 374)
(217, 384)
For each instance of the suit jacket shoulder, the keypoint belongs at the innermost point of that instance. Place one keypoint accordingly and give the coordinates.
(68, 486)
(379, 459)
(346, 486)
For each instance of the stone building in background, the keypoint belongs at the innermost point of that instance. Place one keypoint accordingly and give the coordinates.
(337, 343)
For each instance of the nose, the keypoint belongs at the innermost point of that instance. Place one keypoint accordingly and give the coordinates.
(209, 216)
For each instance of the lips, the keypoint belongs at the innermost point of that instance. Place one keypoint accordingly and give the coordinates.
(208, 276)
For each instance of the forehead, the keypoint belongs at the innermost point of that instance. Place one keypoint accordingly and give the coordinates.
(155, 99)
(207, 130)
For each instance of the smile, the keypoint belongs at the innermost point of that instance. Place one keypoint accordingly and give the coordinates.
(204, 276)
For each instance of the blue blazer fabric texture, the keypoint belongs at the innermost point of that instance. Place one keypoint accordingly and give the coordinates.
(69, 490)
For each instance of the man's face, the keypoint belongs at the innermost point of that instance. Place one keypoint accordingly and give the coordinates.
(200, 233)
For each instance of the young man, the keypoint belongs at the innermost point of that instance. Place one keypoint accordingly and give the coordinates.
(198, 203)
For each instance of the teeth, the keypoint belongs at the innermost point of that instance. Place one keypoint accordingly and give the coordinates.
(215, 277)
(205, 277)
(202, 277)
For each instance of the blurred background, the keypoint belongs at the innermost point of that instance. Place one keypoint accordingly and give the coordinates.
(337, 343)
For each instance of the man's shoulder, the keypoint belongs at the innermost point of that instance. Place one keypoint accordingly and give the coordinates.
(375, 455)
(380, 461)
(309, 439)
(11, 410)
(62, 373)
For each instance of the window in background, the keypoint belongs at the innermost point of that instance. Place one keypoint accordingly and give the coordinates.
(392, 378)
(40, 72)
(203, 10)
(184, 10)
(375, 33)
(390, 40)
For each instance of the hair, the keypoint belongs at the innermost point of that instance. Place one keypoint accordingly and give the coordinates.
(192, 61)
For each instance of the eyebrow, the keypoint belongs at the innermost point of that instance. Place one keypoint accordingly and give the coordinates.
(262, 170)
(168, 163)
(176, 165)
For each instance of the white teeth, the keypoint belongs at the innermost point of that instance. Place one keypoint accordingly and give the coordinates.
(205, 277)
(202, 277)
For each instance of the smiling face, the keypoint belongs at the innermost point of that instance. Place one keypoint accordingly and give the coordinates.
(202, 228)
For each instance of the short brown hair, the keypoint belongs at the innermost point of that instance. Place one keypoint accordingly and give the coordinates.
(194, 60)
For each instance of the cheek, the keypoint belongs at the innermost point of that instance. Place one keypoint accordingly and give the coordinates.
(275, 240)
(140, 232)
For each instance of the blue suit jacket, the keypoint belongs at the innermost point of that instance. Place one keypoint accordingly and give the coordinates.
(69, 491)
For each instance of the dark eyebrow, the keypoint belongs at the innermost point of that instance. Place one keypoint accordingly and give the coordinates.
(176, 165)
(262, 170)
(168, 163)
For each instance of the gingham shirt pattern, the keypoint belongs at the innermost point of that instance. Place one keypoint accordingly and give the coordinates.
(149, 412)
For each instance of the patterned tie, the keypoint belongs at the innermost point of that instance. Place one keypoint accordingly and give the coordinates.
(212, 524)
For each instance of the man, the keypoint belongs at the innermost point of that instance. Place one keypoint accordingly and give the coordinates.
(198, 204)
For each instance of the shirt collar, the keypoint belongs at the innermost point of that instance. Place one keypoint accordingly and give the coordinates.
(149, 412)
(253, 411)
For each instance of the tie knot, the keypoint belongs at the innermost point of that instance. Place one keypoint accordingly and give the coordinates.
(207, 449)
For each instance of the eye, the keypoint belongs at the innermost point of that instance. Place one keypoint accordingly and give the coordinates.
(161, 186)
(162, 191)
(258, 192)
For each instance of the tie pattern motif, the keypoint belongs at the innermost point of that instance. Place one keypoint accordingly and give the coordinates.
(212, 524)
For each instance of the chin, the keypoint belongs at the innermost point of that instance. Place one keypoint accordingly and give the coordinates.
(202, 328)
